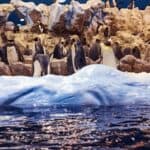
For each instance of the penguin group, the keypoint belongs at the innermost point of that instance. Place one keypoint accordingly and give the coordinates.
(75, 49)
(77, 52)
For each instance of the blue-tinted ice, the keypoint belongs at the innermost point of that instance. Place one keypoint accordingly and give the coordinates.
(93, 85)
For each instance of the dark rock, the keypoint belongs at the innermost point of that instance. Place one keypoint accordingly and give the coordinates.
(131, 64)
(59, 67)
(20, 69)
(128, 59)
(146, 67)
(59, 27)
(39, 28)
(137, 68)
(125, 67)
(4, 69)
(35, 16)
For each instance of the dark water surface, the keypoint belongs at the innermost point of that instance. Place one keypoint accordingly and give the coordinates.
(113, 127)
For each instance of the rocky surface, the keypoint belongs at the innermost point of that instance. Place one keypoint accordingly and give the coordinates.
(15, 69)
(85, 19)
(131, 64)
(77, 18)
(128, 27)
(4, 69)
(59, 67)
(20, 69)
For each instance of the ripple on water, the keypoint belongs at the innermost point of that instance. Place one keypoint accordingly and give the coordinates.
(83, 128)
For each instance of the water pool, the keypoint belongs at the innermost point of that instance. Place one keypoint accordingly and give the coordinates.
(96, 108)
(109, 127)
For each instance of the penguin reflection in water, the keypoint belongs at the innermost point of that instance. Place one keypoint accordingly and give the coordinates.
(41, 61)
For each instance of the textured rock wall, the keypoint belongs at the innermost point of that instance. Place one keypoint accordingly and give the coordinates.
(129, 27)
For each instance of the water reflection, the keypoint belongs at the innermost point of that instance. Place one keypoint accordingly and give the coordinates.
(71, 128)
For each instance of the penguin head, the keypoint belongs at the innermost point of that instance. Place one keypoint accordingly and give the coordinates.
(61, 42)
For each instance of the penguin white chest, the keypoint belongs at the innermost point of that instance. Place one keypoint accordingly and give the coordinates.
(12, 55)
(37, 69)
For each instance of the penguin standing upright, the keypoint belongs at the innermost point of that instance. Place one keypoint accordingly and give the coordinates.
(39, 49)
(11, 52)
(136, 52)
(80, 60)
(117, 51)
(95, 52)
(41, 61)
(108, 54)
(76, 56)
(71, 57)
(58, 50)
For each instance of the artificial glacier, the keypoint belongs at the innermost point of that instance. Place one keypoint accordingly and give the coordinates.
(92, 85)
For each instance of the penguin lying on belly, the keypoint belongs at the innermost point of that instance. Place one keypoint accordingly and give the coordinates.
(41, 65)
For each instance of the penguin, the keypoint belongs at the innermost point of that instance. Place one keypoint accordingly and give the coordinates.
(108, 54)
(41, 65)
(86, 46)
(106, 32)
(136, 52)
(58, 50)
(1, 54)
(76, 55)
(11, 52)
(71, 57)
(40, 61)
(117, 51)
(39, 49)
(80, 55)
(127, 51)
(95, 53)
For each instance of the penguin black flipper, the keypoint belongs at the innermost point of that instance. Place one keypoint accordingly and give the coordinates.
(20, 56)
(4, 54)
